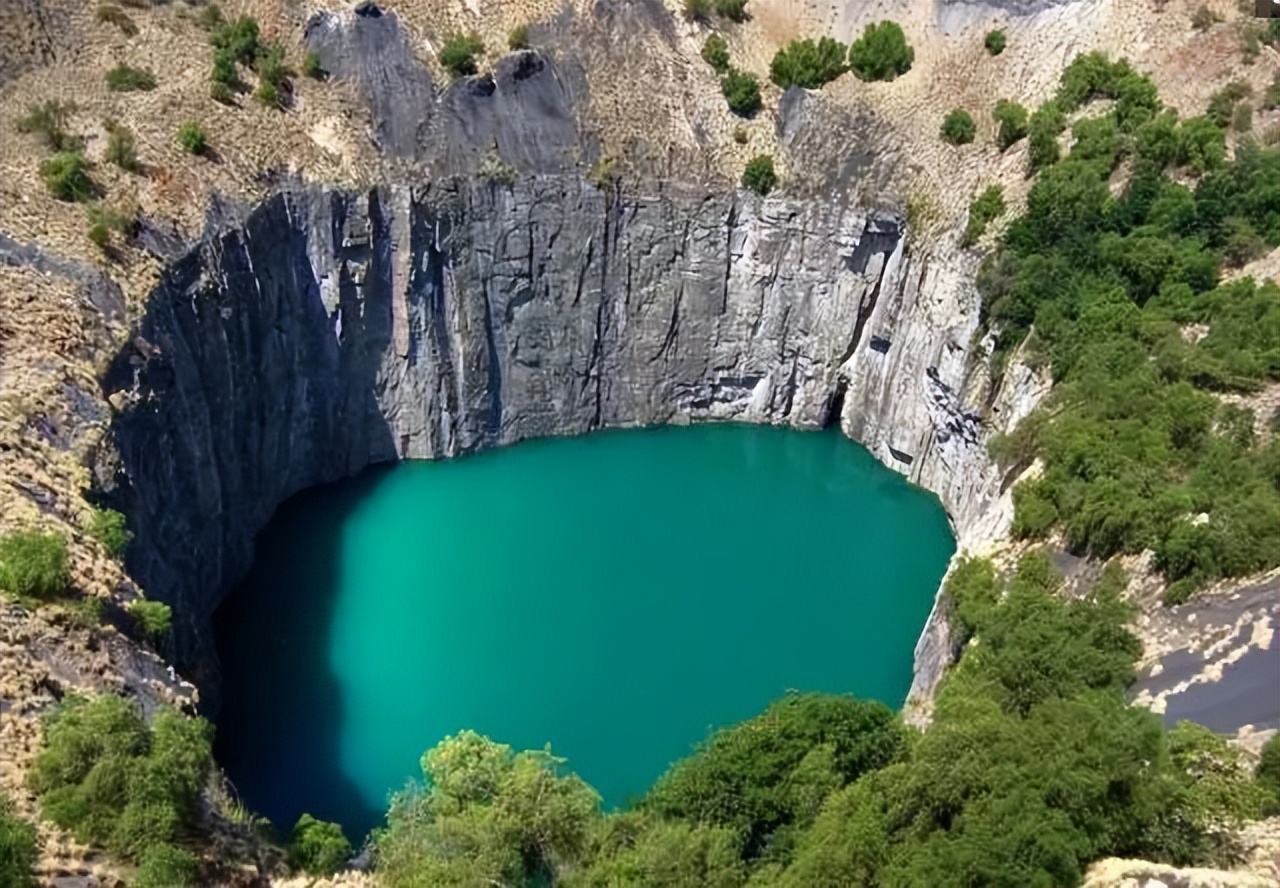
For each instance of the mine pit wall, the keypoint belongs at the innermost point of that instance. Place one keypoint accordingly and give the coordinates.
(329, 330)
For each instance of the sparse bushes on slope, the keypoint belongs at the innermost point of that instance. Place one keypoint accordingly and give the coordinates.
(958, 128)
(742, 91)
(988, 206)
(808, 64)
(123, 78)
(18, 850)
(107, 526)
(715, 52)
(1042, 135)
(702, 10)
(1012, 121)
(155, 619)
(995, 42)
(34, 564)
(192, 139)
(109, 12)
(518, 38)
(458, 55)
(49, 122)
(165, 866)
(311, 66)
(759, 175)
(881, 53)
(122, 147)
(733, 10)
(1267, 776)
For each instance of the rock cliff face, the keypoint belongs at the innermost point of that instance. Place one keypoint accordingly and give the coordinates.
(326, 331)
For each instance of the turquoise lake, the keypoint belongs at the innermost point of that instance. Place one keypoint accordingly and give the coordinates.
(617, 595)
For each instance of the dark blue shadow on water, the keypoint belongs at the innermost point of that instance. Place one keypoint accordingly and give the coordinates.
(279, 741)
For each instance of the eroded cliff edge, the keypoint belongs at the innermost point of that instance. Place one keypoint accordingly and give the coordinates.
(327, 330)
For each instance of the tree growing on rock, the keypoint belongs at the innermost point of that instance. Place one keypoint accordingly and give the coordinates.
(881, 53)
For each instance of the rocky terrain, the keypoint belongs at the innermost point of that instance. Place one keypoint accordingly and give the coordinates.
(400, 266)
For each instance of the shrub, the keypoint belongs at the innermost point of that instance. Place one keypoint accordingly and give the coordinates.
(881, 53)
(114, 782)
(1043, 130)
(109, 12)
(221, 93)
(18, 851)
(100, 235)
(49, 122)
(269, 63)
(742, 90)
(808, 64)
(154, 617)
(1223, 102)
(1012, 120)
(458, 55)
(122, 147)
(1204, 18)
(759, 175)
(518, 38)
(107, 526)
(1267, 776)
(123, 78)
(210, 17)
(84, 613)
(715, 52)
(165, 866)
(34, 564)
(237, 40)
(1242, 119)
(267, 94)
(602, 173)
(192, 139)
(988, 206)
(995, 42)
(733, 10)
(740, 135)
(311, 66)
(317, 847)
(697, 10)
(958, 128)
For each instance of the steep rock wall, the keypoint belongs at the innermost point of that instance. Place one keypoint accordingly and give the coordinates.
(327, 331)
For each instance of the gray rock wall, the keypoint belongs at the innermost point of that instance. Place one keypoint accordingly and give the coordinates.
(332, 330)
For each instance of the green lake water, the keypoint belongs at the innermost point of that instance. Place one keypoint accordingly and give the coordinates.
(617, 595)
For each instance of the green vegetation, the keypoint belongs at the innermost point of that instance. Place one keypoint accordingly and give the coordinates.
(759, 175)
(697, 10)
(1139, 451)
(317, 847)
(518, 38)
(1222, 103)
(107, 526)
(122, 147)
(237, 43)
(1267, 776)
(715, 52)
(33, 565)
(100, 235)
(49, 122)
(1012, 120)
(702, 10)
(733, 10)
(154, 617)
(123, 78)
(192, 139)
(1204, 18)
(808, 64)
(995, 42)
(1046, 124)
(1034, 766)
(18, 851)
(311, 66)
(165, 866)
(958, 128)
(742, 91)
(112, 14)
(881, 53)
(116, 783)
(988, 206)
(1242, 119)
(458, 56)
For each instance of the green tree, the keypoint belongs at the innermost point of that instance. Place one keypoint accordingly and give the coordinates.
(1012, 121)
(881, 53)
(742, 91)
(18, 850)
(33, 564)
(1045, 125)
(808, 64)
(487, 814)
(317, 847)
(759, 175)
(458, 55)
(958, 128)
(995, 42)
(715, 52)
(635, 850)
(1267, 776)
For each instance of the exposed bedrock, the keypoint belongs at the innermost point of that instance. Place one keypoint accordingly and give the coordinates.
(326, 331)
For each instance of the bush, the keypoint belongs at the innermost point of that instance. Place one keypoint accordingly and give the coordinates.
(958, 128)
(733, 10)
(317, 847)
(192, 139)
(154, 617)
(1223, 102)
(236, 41)
(995, 42)
(740, 135)
(742, 91)
(808, 64)
(311, 66)
(269, 63)
(988, 206)
(122, 148)
(518, 38)
(1267, 776)
(267, 94)
(715, 52)
(165, 866)
(49, 122)
(114, 782)
(881, 53)
(759, 175)
(107, 526)
(100, 235)
(123, 78)
(221, 93)
(459, 53)
(697, 10)
(18, 851)
(210, 17)
(34, 564)
(1012, 120)
(109, 12)
(1045, 126)
(1242, 119)
(1204, 18)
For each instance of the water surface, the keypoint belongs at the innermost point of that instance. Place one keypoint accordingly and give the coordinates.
(616, 595)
